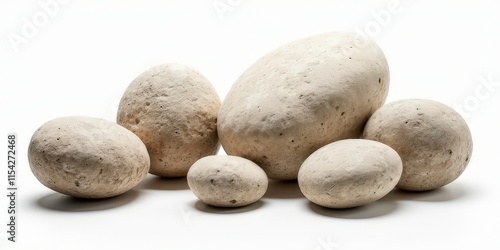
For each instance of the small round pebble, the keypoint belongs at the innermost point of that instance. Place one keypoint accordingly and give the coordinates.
(227, 181)
(349, 173)
(87, 157)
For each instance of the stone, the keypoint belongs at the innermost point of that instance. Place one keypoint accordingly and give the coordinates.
(349, 173)
(87, 157)
(300, 97)
(227, 181)
(433, 140)
(173, 109)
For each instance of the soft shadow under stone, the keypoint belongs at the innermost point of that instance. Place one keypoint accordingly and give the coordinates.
(283, 190)
(447, 193)
(61, 202)
(372, 210)
(152, 182)
(389, 203)
(200, 206)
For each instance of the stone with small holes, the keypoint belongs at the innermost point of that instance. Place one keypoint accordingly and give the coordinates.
(349, 173)
(173, 109)
(432, 139)
(87, 157)
(227, 181)
(300, 97)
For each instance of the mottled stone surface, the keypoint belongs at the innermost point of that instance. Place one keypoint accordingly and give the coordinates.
(300, 97)
(227, 181)
(87, 157)
(432, 139)
(173, 109)
(349, 173)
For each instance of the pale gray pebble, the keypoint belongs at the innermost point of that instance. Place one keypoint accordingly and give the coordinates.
(87, 157)
(173, 109)
(432, 139)
(349, 173)
(227, 181)
(300, 97)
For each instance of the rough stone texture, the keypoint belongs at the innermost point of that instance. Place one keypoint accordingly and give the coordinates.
(432, 139)
(173, 109)
(87, 157)
(349, 173)
(227, 181)
(300, 97)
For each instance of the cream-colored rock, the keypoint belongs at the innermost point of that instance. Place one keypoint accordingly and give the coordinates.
(300, 97)
(432, 139)
(173, 109)
(227, 181)
(349, 173)
(87, 157)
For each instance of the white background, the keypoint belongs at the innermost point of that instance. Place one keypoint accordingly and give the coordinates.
(82, 55)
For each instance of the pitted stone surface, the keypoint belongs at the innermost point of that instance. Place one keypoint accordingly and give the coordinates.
(432, 139)
(349, 173)
(301, 97)
(227, 181)
(87, 157)
(173, 109)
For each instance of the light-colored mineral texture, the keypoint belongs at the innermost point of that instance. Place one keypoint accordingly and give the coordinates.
(432, 139)
(227, 181)
(87, 157)
(173, 109)
(349, 173)
(300, 97)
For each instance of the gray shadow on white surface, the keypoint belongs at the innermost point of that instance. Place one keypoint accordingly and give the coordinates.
(372, 210)
(152, 182)
(283, 190)
(203, 207)
(446, 193)
(389, 203)
(61, 202)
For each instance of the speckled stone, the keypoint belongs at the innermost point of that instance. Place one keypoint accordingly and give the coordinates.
(87, 157)
(227, 181)
(173, 109)
(349, 173)
(300, 97)
(432, 139)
